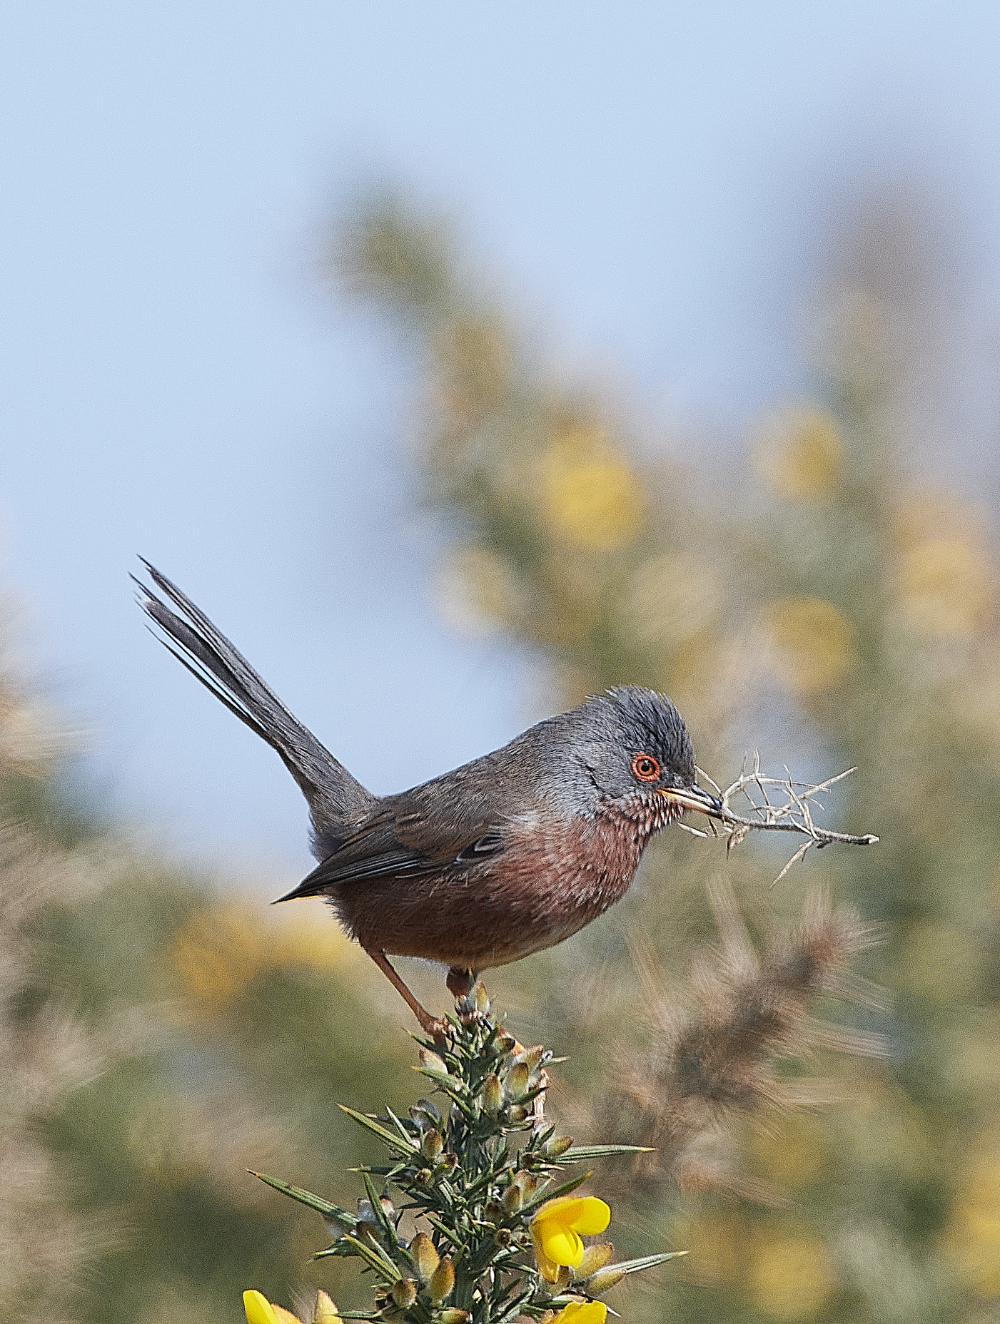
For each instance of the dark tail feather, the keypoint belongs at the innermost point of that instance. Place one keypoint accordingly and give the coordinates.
(336, 799)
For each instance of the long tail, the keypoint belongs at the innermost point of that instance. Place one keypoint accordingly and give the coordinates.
(336, 799)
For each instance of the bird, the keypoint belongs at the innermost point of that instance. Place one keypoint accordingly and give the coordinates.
(504, 856)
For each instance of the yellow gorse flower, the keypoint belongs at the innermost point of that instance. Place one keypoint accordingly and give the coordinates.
(556, 1231)
(583, 1312)
(801, 454)
(260, 1311)
(814, 642)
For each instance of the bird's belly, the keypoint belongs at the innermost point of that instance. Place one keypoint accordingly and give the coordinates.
(533, 895)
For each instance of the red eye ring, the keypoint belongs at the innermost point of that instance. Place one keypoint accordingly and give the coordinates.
(645, 768)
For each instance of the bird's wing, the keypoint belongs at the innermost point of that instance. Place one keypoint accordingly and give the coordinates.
(403, 846)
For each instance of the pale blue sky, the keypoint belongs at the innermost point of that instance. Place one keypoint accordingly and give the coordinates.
(647, 178)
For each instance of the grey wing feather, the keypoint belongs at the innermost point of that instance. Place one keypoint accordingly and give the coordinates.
(376, 851)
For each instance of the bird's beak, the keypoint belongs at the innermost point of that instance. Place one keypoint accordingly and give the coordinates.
(693, 797)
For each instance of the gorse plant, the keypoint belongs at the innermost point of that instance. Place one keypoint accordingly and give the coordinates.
(474, 1218)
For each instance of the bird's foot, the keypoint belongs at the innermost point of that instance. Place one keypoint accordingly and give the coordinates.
(472, 1002)
(460, 981)
(435, 1027)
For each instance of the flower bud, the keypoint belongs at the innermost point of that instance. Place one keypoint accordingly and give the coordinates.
(492, 1095)
(517, 1080)
(431, 1062)
(442, 1281)
(431, 1143)
(425, 1256)
(517, 1112)
(533, 1057)
(453, 1315)
(594, 1258)
(512, 1198)
(506, 1041)
(423, 1176)
(604, 1280)
(527, 1182)
(404, 1293)
(366, 1231)
(557, 1146)
(450, 1161)
(503, 1237)
(326, 1311)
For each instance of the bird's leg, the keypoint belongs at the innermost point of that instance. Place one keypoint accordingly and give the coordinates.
(434, 1027)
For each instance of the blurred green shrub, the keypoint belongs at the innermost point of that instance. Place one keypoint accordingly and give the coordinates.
(832, 602)
(844, 605)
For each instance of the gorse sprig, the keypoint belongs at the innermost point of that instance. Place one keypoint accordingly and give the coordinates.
(473, 1219)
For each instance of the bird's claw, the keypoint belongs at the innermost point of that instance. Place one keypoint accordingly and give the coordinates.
(435, 1027)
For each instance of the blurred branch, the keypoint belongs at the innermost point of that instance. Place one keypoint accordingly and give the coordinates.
(717, 1041)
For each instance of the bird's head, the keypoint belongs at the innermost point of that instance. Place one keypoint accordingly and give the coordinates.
(636, 751)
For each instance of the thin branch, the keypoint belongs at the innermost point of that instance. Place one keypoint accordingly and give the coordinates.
(792, 811)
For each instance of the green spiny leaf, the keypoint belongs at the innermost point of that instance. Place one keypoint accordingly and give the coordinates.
(647, 1261)
(379, 1214)
(400, 1126)
(376, 1257)
(384, 1134)
(586, 1153)
(307, 1198)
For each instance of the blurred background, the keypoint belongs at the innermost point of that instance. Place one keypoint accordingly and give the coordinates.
(460, 363)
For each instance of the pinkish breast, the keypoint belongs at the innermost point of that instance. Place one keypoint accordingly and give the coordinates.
(548, 883)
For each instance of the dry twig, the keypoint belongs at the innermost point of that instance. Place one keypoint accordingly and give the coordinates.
(791, 810)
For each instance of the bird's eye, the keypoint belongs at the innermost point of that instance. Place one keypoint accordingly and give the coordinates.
(646, 768)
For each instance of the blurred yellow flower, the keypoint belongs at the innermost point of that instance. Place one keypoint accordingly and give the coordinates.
(220, 950)
(791, 1275)
(946, 585)
(800, 454)
(583, 1312)
(718, 1240)
(792, 1154)
(813, 642)
(972, 1238)
(306, 938)
(589, 495)
(557, 1227)
(260, 1311)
